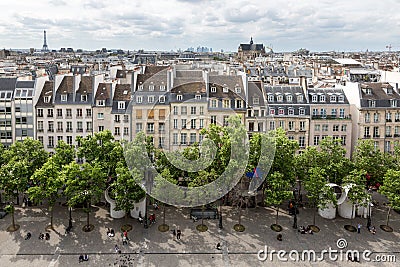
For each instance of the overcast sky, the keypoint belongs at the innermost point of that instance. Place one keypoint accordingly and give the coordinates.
(286, 25)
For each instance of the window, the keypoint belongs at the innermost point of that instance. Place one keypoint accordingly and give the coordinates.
(88, 113)
(150, 127)
(332, 98)
(161, 99)
(238, 103)
(183, 110)
(79, 113)
(179, 97)
(393, 103)
(271, 111)
(161, 114)
(101, 103)
(79, 126)
(371, 103)
(47, 99)
(151, 87)
(397, 117)
(183, 138)
(213, 103)
(69, 140)
(175, 110)
(367, 117)
(396, 131)
(238, 90)
(341, 98)
(226, 103)
(316, 140)
(40, 138)
(139, 127)
(325, 127)
(64, 98)
(126, 130)
(193, 123)
(150, 99)
(39, 113)
(376, 132)
(175, 123)
(366, 132)
(279, 98)
(315, 111)
(161, 127)
(59, 113)
(323, 113)
(256, 100)
(225, 89)
(192, 110)
(50, 125)
(376, 145)
(192, 138)
(183, 123)
(116, 118)
(100, 116)
(197, 97)
(50, 112)
(335, 128)
(387, 146)
(162, 87)
(281, 111)
(299, 98)
(201, 110)
(291, 125)
(89, 126)
(69, 126)
(344, 128)
(341, 113)
(343, 139)
(116, 131)
(317, 127)
(139, 99)
(83, 98)
(140, 86)
(272, 125)
(150, 115)
(302, 125)
(256, 113)
(302, 111)
(388, 131)
(289, 98)
(50, 142)
(214, 119)
(213, 89)
(201, 123)
(376, 117)
(388, 117)
(291, 111)
(59, 126)
(121, 105)
(334, 112)
(302, 142)
(270, 98)
(225, 121)
(69, 113)
(175, 138)
(39, 126)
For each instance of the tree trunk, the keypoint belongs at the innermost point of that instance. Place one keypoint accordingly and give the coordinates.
(51, 208)
(315, 211)
(164, 214)
(202, 215)
(12, 215)
(87, 215)
(277, 213)
(387, 217)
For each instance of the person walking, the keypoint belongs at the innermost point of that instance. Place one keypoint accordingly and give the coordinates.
(174, 233)
(359, 228)
(178, 234)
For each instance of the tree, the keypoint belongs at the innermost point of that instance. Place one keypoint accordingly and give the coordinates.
(277, 191)
(367, 157)
(391, 189)
(356, 182)
(84, 184)
(319, 193)
(126, 191)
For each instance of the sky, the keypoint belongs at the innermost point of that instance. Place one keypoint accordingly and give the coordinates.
(284, 25)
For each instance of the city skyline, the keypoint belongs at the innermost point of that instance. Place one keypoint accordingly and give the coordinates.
(179, 24)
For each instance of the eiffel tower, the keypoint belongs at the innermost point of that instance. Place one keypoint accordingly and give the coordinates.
(45, 47)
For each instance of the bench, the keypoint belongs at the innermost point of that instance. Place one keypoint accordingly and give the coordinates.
(205, 214)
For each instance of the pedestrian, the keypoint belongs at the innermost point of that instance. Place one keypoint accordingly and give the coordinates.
(126, 234)
(47, 236)
(178, 234)
(124, 240)
(279, 237)
(359, 227)
(28, 236)
(80, 258)
(219, 246)
(174, 233)
(117, 250)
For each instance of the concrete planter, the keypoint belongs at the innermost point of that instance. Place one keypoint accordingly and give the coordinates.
(116, 214)
(139, 207)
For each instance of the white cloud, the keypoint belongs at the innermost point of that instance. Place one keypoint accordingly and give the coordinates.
(165, 25)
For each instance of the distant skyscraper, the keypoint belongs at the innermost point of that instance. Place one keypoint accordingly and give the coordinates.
(45, 47)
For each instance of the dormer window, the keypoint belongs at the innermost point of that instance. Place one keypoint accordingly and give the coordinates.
(179, 97)
(322, 98)
(197, 97)
(389, 91)
(341, 98)
(300, 98)
(291, 111)
(368, 91)
(371, 103)
(101, 103)
(213, 89)
(83, 98)
(270, 98)
(238, 89)
(151, 87)
(393, 103)
(314, 98)
(281, 111)
(139, 99)
(140, 87)
(271, 111)
(289, 98)
(162, 87)
(161, 99)
(47, 99)
(150, 99)
(332, 98)
(302, 111)
(64, 98)
(225, 89)
(279, 98)
(256, 100)
(121, 105)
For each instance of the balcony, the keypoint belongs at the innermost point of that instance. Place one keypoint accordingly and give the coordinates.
(69, 130)
(60, 130)
(79, 130)
(330, 117)
(68, 117)
(396, 135)
(89, 130)
(50, 130)
(388, 135)
(79, 117)
(367, 136)
(397, 120)
(376, 135)
(88, 116)
(59, 117)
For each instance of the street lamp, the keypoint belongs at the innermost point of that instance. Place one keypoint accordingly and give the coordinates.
(220, 214)
(295, 193)
(369, 209)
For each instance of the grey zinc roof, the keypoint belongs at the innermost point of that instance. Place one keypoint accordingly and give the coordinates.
(231, 82)
(25, 84)
(7, 84)
(328, 92)
(284, 90)
(255, 90)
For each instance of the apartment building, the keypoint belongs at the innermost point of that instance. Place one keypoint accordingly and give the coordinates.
(23, 110)
(330, 116)
(121, 110)
(7, 87)
(257, 117)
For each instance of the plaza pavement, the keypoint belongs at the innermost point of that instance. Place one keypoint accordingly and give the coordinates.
(150, 247)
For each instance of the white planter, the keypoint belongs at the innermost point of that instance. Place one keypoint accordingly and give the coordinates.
(347, 210)
(329, 212)
(116, 214)
(139, 207)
